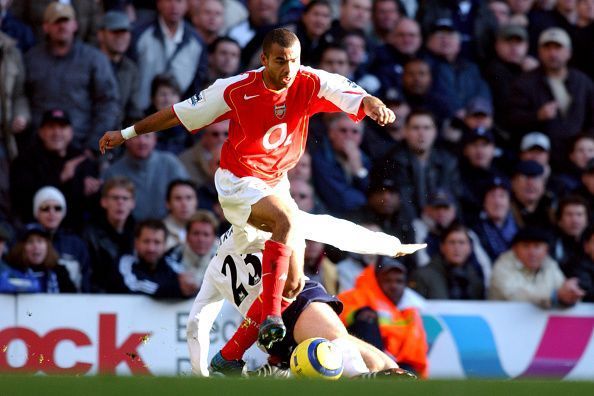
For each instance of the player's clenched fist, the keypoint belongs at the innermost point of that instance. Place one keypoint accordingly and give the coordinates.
(110, 140)
(378, 111)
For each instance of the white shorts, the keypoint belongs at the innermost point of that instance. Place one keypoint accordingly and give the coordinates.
(237, 195)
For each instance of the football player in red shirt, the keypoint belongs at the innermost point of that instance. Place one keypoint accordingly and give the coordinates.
(269, 110)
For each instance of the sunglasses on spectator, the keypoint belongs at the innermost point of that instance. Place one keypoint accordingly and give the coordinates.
(47, 208)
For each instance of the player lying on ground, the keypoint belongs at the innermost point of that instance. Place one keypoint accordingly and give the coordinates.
(236, 278)
(269, 111)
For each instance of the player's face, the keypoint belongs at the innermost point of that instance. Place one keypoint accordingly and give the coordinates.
(182, 203)
(118, 204)
(150, 245)
(36, 248)
(50, 214)
(456, 248)
(201, 237)
(531, 253)
(392, 282)
(281, 65)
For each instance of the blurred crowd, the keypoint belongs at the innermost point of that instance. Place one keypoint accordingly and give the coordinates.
(490, 160)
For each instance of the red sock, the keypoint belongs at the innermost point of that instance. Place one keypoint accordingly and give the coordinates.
(275, 266)
(247, 332)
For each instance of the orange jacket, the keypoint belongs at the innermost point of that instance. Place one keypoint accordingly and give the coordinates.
(402, 330)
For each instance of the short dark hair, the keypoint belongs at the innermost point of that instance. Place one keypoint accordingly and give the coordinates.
(578, 137)
(165, 80)
(281, 36)
(151, 224)
(418, 113)
(179, 182)
(212, 47)
(571, 200)
(314, 3)
(454, 227)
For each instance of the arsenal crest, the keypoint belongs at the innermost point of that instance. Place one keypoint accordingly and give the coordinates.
(280, 110)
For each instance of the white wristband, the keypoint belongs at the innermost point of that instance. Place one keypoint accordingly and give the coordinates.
(128, 133)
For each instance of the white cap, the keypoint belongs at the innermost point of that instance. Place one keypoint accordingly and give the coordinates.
(48, 193)
(555, 35)
(535, 139)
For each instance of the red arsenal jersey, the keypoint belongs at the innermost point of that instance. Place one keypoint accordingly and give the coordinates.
(268, 129)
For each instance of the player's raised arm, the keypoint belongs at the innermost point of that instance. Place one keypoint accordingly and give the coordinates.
(378, 111)
(161, 120)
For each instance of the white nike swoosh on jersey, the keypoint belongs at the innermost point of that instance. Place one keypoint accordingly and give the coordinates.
(283, 277)
(246, 97)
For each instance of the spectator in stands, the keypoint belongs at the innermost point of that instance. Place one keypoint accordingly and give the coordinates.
(208, 20)
(49, 209)
(385, 208)
(379, 311)
(148, 271)
(476, 169)
(532, 204)
(64, 73)
(419, 168)
(528, 273)
(354, 15)
(511, 60)
(114, 40)
(169, 45)
(402, 44)
(453, 273)
(581, 151)
(312, 28)
(572, 221)
(165, 92)
(536, 146)
(358, 52)
(35, 12)
(341, 169)
(182, 203)
(34, 266)
(562, 15)
(151, 171)
(453, 76)
(54, 160)
(302, 170)
(500, 10)
(200, 246)
(496, 225)
(14, 113)
(234, 12)
(416, 90)
(378, 141)
(303, 194)
(439, 213)
(385, 15)
(197, 159)
(586, 188)
(262, 17)
(318, 267)
(111, 235)
(224, 55)
(584, 271)
(473, 21)
(583, 54)
(13, 27)
(554, 99)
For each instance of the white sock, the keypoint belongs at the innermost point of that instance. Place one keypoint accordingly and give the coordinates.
(351, 357)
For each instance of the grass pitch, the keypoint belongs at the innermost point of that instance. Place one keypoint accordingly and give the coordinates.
(181, 386)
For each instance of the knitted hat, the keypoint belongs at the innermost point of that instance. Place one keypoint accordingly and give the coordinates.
(48, 193)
